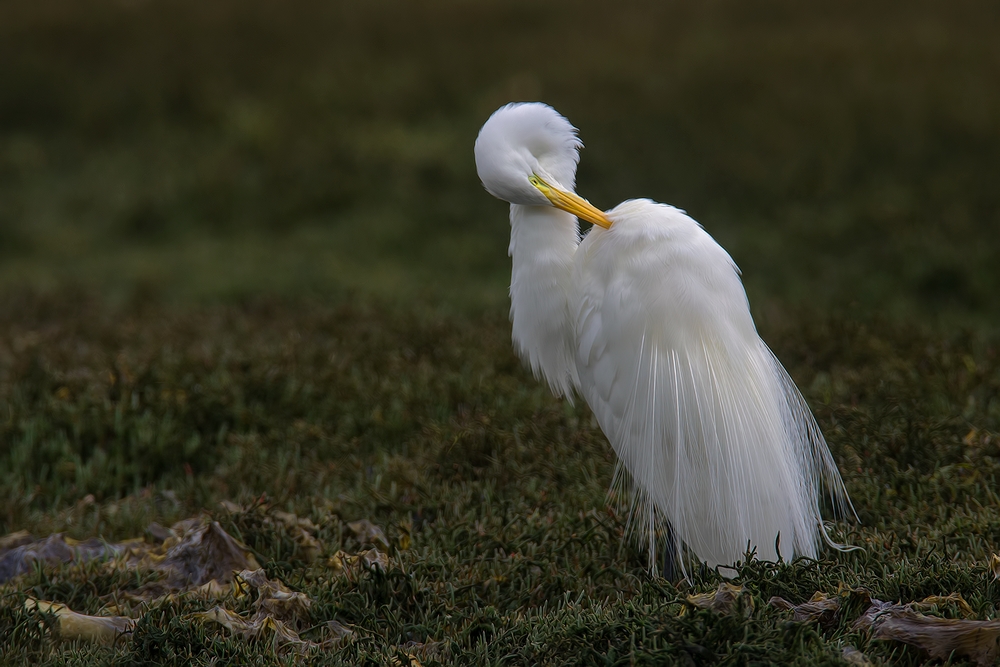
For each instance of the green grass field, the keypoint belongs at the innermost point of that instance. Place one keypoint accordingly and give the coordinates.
(245, 259)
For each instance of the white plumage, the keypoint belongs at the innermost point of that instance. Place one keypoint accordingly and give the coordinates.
(647, 319)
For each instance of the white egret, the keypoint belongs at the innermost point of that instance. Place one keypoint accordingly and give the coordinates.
(647, 318)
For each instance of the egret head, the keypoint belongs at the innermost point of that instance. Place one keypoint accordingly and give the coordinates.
(527, 153)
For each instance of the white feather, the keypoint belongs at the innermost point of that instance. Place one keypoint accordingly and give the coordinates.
(543, 242)
(714, 434)
(649, 321)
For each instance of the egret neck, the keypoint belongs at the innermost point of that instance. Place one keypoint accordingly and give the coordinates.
(543, 241)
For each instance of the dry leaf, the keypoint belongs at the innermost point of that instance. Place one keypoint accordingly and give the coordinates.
(337, 631)
(405, 530)
(723, 600)
(203, 552)
(995, 566)
(231, 507)
(823, 609)
(373, 559)
(278, 612)
(71, 625)
(941, 600)
(819, 608)
(255, 626)
(274, 598)
(301, 530)
(293, 520)
(940, 637)
(55, 548)
(283, 636)
(338, 562)
(159, 533)
(855, 657)
(367, 532)
(196, 557)
(210, 590)
(440, 651)
(13, 540)
(370, 559)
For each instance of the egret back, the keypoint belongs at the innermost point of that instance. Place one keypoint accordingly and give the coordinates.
(715, 438)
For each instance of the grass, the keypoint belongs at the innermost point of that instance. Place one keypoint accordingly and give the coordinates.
(427, 425)
(244, 256)
(843, 154)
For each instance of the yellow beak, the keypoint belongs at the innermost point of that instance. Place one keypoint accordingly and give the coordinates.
(571, 203)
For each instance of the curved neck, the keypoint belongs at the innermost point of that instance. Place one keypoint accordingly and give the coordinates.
(543, 241)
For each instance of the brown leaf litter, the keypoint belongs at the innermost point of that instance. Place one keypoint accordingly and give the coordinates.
(725, 600)
(197, 557)
(193, 557)
(19, 551)
(372, 559)
(301, 529)
(368, 533)
(819, 609)
(941, 638)
(71, 625)
(278, 612)
(853, 656)
(414, 652)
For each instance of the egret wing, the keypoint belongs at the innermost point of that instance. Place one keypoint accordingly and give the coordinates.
(714, 436)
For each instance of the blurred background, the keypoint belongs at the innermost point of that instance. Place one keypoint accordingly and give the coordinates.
(846, 154)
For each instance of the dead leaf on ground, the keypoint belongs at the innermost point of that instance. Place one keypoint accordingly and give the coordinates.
(405, 532)
(302, 530)
(819, 608)
(431, 650)
(367, 532)
(22, 551)
(231, 507)
(944, 600)
(940, 637)
(823, 609)
(201, 553)
(855, 657)
(197, 558)
(16, 539)
(273, 597)
(70, 625)
(254, 627)
(294, 520)
(724, 600)
(278, 613)
(158, 533)
(372, 559)
(194, 557)
(193, 553)
(995, 566)
(337, 631)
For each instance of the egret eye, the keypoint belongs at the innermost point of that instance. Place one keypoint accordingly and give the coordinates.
(570, 202)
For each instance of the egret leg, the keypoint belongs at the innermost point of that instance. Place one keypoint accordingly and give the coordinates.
(671, 567)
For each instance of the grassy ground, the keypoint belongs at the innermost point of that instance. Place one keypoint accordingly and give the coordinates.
(244, 256)
(429, 427)
(843, 154)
